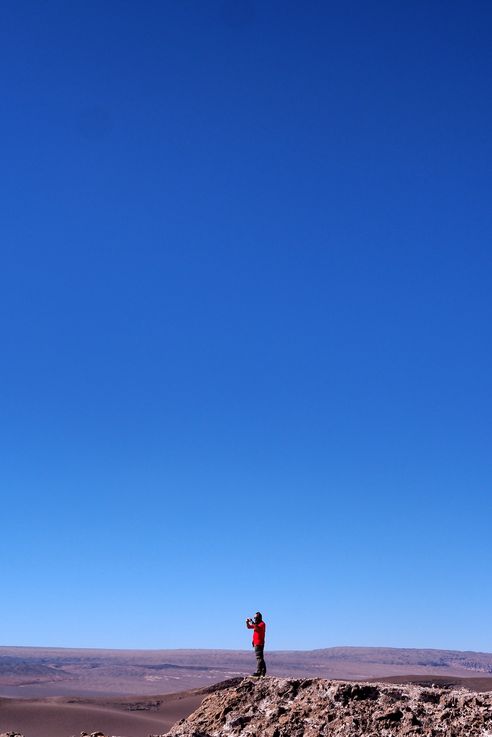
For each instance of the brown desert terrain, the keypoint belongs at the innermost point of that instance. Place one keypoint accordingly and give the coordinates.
(63, 717)
(42, 672)
(53, 692)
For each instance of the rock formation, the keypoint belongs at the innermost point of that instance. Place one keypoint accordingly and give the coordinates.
(276, 707)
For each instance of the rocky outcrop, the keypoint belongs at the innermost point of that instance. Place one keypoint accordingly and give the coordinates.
(277, 707)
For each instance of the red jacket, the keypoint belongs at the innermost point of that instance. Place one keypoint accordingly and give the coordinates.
(259, 632)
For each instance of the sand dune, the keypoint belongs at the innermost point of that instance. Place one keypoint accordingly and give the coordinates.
(60, 718)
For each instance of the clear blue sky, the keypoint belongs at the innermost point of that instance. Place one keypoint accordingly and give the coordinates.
(245, 290)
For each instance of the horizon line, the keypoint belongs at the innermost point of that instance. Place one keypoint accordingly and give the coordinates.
(237, 650)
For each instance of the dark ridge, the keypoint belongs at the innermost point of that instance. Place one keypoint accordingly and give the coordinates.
(221, 686)
(17, 666)
(168, 666)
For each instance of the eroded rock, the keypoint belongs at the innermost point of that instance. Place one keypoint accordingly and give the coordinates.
(279, 707)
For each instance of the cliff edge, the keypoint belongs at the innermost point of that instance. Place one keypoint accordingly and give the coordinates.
(315, 707)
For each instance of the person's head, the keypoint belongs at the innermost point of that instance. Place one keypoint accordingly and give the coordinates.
(258, 617)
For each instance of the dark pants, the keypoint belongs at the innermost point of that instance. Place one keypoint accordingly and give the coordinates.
(260, 662)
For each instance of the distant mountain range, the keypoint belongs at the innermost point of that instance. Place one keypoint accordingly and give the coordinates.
(38, 672)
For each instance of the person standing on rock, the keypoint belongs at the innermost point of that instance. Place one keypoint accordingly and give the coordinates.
(258, 625)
